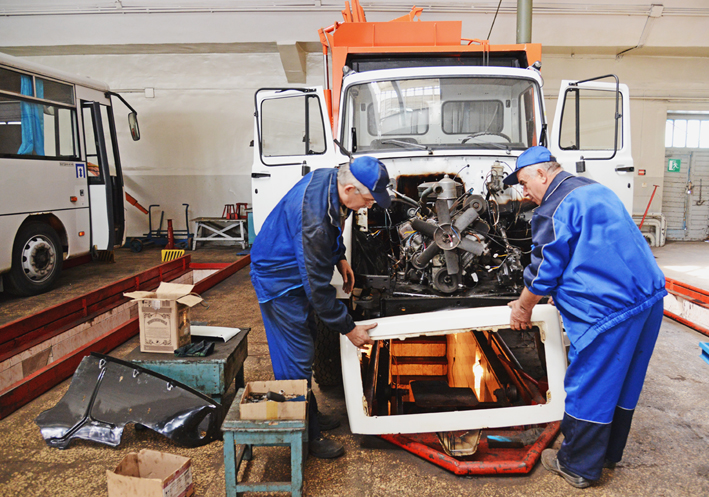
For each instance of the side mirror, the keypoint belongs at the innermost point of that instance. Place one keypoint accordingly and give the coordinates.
(133, 124)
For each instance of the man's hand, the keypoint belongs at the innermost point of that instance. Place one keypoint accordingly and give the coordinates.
(521, 315)
(347, 275)
(359, 336)
(520, 318)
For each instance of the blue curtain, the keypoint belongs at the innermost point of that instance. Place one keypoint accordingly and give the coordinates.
(32, 119)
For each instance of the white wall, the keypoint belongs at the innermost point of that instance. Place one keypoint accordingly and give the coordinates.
(657, 84)
(196, 130)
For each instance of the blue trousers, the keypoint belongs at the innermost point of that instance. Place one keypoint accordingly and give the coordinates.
(603, 384)
(290, 331)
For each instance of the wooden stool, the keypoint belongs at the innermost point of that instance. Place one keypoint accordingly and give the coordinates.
(229, 211)
(248, 432)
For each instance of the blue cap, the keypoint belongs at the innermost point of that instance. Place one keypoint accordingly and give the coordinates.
(372, 174)
(531, 156)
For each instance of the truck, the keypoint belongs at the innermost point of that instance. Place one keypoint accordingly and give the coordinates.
(448, 116)
(61, 196)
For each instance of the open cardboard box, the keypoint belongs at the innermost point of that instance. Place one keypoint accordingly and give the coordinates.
(269, 409)
(150, 473)
(164, 316)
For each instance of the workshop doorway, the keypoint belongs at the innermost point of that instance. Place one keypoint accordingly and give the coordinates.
(685, 202)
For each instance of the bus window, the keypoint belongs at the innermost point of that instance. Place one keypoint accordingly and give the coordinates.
(10, 127)
(109, 142)
(32, 130)
(10, 81)
(92, 160)
(56, 92)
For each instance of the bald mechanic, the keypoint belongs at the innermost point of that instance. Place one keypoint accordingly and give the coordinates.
(589, 256)
(292, 263)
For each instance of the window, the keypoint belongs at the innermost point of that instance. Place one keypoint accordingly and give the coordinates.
(56, 92)
(588, 120)
(423, 114)
(472, 117)
(35, 127)
(687, 131)
(292, 126)
(92, 159)
(11, 81)
(31, 130)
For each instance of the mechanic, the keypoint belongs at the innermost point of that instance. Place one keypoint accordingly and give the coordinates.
(292, 263)
(590, 257)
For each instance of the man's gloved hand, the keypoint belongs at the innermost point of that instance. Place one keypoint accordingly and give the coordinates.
(359, 336)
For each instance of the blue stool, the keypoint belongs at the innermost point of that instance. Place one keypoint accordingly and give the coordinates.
(249, 432)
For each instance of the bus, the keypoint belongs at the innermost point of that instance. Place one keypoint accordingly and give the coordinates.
(61, 194)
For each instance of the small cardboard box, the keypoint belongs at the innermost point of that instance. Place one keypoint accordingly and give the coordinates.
(150, 473)
(274, 410)
(164, 316)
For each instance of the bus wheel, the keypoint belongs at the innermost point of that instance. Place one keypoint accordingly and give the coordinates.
(36, 259)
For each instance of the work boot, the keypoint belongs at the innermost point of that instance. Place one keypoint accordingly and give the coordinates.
(327, 422)
(324, 448)
(551, 463)
(609, 464)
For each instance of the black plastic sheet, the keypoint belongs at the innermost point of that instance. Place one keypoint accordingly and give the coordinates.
(106, 394)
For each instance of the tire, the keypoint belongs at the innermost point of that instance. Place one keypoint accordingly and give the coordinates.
(135, 245)
(37, 258)
(327, 367)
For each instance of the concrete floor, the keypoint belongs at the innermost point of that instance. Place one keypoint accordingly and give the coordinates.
(665, 456)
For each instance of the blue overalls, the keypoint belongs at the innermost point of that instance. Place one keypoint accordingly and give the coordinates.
(292, 263)
(589, 255)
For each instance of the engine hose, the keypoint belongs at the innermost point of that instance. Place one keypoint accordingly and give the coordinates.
(427, 229)
(466, 219)
(424, 197)
(425, 194)
(422, 260)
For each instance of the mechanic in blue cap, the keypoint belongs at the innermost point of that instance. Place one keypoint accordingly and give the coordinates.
(292, 262)
(590, 257)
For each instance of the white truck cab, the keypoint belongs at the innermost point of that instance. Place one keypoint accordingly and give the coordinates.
(436, 269)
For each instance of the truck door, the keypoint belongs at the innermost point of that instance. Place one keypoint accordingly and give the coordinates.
(591, 134)
(105, 177)
(292, 136)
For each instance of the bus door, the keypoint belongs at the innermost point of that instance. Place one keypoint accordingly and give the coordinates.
(105, 177)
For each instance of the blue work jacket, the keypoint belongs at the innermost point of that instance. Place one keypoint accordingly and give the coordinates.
(589, 255)
(299, 245)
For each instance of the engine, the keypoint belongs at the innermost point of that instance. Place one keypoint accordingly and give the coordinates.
(443, 239)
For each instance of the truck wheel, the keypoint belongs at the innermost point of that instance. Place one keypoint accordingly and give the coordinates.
(327, 369)
(37, 258)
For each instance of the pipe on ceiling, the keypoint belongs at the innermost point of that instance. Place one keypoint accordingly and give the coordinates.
(524, 21)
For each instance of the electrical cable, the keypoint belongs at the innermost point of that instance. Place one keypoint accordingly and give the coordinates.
(493, 19)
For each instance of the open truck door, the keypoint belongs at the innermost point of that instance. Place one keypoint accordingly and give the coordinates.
(591, 134)
(292, 136)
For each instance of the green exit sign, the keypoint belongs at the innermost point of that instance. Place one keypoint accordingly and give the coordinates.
(673, 165)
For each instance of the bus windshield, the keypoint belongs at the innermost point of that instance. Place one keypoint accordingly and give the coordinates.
(469, 112)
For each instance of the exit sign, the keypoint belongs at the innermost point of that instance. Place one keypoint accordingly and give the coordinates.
(673, 165)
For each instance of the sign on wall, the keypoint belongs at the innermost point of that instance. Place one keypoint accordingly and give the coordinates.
(673, 165)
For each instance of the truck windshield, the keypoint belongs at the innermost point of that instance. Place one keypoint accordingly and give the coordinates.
(441, 113)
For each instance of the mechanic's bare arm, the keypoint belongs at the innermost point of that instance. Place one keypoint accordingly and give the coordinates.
(359, 336)
(347, 275)
(521, 315)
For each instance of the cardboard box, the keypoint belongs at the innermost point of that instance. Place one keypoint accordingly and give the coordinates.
(150, 473)
(164, 316)
(270, 409)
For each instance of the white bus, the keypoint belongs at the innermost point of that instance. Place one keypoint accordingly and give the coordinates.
(61, 188)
